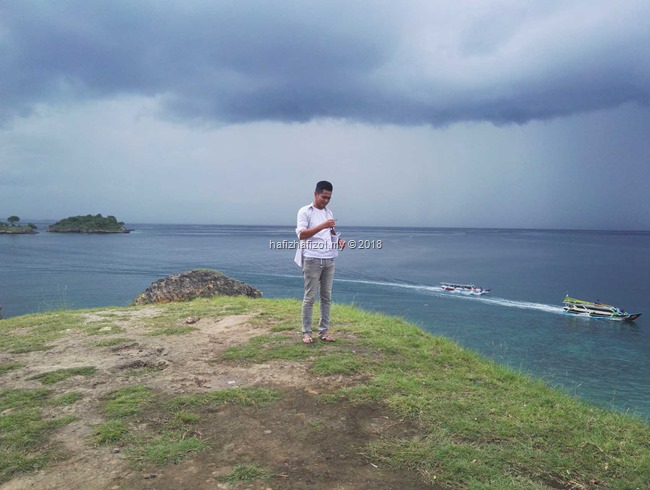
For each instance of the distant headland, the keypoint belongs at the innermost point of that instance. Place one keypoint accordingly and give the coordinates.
(11, 228)
(89, 224)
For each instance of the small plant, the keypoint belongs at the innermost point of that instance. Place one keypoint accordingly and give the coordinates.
(169, 447)
(67, 399)
(345, 363)
(315, 425)
(127, 401)
(172, 331)
(60, 374)
(187, 417)
(247, 473)
(5, 367)
(243, 397)
(264, 348)
(104, 328)
(111, 431)
(284, 327)
(113, 342)
(25, 347)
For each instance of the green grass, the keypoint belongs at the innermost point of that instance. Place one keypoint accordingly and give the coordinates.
(36, 332)
(23, 399)
(111, 431)
(27, 346)
(52, 377)
(141, 371)
(171, 320)
(113, 342)
(263, 348)
(25, 432)
(247, 473)
(127, 401)
(168, 447)
(168, 437)
(179, 330)
(33, 333)
(343, 362)
(103, 328)
(6, 367)
(484, 425)
(284, 327)
(243, 397)
(160, 443)
(479, 425)
(186, 417)
(67, 399)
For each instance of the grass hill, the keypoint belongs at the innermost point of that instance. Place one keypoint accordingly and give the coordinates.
(222, 393)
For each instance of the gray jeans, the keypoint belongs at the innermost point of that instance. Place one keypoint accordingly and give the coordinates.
(318, 274)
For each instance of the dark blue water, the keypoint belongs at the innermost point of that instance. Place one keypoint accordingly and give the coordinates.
(520, 323)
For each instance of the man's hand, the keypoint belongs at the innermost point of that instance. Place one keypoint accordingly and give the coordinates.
(308, 233)
(330, 223)
(341, 243)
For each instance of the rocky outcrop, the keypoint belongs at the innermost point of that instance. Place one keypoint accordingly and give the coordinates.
(195, 284)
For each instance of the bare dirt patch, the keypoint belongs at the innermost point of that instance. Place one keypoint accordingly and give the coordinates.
(305, 442)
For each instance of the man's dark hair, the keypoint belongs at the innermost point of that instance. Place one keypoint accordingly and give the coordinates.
(323, 185)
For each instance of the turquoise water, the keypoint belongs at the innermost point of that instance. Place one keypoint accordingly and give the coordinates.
(520, 323)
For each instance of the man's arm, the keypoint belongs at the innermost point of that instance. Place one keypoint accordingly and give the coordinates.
(304, 232)
(310, 232)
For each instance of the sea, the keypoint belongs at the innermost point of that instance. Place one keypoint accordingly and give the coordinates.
(395, 271)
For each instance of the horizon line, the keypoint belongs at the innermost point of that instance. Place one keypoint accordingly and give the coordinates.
(508, 228)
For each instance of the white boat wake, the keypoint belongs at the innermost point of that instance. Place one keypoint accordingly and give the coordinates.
(439, 291)
(524, 305)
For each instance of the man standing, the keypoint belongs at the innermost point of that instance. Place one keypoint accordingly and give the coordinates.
(319, 246)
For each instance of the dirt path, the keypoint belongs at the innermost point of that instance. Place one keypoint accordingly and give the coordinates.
(307, 443)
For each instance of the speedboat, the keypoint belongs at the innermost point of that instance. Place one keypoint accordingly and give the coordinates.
(597, 310)
(463, 289)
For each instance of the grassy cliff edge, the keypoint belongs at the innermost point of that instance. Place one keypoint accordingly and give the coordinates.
(222, 392)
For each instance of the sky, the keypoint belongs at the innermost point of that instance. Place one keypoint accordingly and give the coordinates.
(450, 113)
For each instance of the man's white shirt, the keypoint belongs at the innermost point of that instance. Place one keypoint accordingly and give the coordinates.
(323, 245)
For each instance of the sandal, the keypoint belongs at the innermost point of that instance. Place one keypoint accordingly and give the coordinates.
(327, 338)
(307, 339)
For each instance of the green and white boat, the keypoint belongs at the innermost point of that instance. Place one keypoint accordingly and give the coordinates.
(597, 310)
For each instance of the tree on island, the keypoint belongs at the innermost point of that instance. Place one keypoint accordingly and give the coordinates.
(89, 224)
(11, 228)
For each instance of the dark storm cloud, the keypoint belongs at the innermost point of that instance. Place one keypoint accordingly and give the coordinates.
(294, 61)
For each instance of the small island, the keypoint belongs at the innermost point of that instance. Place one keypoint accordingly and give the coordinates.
(89, 224)
(11, 228)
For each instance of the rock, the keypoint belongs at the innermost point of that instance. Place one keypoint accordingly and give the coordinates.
(195, 284)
